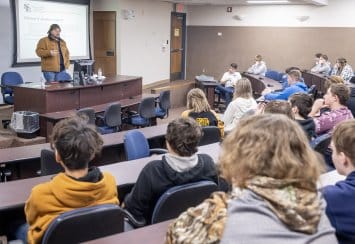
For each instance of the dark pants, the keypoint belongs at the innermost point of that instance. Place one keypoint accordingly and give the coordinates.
(226, 93)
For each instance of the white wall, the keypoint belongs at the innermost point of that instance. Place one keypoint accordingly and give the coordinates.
(140, 40)
(339, 13)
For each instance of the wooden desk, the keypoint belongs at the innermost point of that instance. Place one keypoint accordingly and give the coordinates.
(66, 96)
(259, 83)
(208, 87)
(48, 120)
(316, 79)
(152, 234)
(15, 154)
(15, 193)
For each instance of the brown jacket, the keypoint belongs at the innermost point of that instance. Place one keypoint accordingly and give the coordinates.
(49, 62)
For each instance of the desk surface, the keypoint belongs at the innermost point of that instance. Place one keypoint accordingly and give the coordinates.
(98, 108)
(15, 193)
(269, 83)
(152, 234)
(14, 154)
(69, 85)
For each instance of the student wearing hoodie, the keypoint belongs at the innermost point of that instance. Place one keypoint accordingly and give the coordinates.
(259, 68)
(340, 197)
(274, 173)
(75, 144)
(295, 84)
(242, 103)
(180, 166)
(301, 104)
(335, 100)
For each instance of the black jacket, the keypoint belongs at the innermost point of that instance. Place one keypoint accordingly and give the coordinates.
(157, 177)
(309, 127)
(351, 101)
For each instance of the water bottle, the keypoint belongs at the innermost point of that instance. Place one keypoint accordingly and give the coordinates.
(99, 73)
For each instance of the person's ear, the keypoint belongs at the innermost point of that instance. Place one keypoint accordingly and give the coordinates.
(294, 110)
(58, 159)
(343, 160)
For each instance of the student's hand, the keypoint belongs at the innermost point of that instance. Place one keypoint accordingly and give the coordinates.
(54, 52)
(260, 109)
(317, 105)
(266, 91)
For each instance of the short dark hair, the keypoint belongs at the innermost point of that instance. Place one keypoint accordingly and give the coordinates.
(76, 142)
(53, 27)
(183, 136)
(325, 57)
(303, 102)
(318, 55)
(341, 91)
(279, 107)
(343, 138)
(234, 66)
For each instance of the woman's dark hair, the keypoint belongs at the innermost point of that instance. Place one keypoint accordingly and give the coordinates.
(53, 27)
(76, 142)
(183, 136)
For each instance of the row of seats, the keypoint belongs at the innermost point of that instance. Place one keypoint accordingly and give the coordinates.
(111, 120)
(90, 223)
(135, 144)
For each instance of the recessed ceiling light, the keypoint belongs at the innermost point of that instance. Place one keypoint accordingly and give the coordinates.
(267, 1)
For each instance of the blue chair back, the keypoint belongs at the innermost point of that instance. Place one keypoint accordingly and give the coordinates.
(164, 100)
(112, 115)
(9, 79)
(136, 145)
(85, 224)
(179, 198)
(146, 108)
(272, 74)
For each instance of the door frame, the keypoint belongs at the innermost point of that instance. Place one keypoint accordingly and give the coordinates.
(183, 58)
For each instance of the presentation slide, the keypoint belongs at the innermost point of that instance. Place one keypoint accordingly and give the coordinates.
(33, 18)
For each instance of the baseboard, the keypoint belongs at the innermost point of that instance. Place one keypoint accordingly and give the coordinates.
(156, 83)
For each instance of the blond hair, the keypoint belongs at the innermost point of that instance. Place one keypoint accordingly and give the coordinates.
(258, 57)
(269, 145)
(197, 101)
(333, 79)
(243, 89)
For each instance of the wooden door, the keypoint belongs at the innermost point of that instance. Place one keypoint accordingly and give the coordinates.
(177, 46)
(105, 42)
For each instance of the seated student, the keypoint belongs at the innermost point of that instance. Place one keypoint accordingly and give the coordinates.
(180, 166)
(259, 68)
(341, 196)
(242, 103)
(228, 81)
(284, 79)
(200, 110)
(301, 104)
(295, 85)
(343, 69)
(335, 99)
(75, 144)
(316, 60)
(274, 173)
(323, 66)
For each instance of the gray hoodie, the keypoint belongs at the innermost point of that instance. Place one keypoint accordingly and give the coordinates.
(251, 221)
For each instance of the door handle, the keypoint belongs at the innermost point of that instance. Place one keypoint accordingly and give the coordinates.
(110, 53)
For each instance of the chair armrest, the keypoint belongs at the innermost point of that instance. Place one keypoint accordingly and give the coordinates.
(136, 223)
(158, 151)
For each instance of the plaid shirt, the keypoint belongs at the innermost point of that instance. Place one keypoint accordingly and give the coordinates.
(346, 73)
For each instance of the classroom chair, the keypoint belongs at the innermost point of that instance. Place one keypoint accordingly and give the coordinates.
(211, 134)
(146, 112)
(179, 198)
(49, 165)
(89, 113)
(136, 146)
(9, 79)
(164, 105)
(85, 224)
(111, 121)
(312, 91)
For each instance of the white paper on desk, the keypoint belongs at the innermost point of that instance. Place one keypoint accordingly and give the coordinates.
(17, 121)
